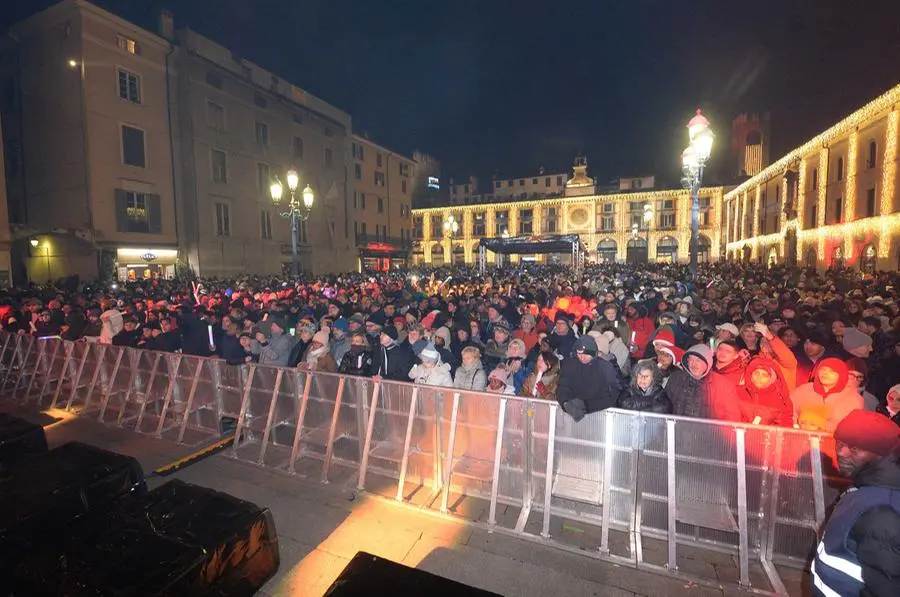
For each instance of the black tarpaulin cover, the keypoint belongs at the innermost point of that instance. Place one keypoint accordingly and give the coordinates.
(42, 495)
(531, 245)
(179, 539)
(367, 575)
(19, 440)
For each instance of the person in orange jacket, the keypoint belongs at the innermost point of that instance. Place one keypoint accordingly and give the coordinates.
(641, 328)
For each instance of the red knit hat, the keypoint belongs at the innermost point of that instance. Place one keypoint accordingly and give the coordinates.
(870, 431)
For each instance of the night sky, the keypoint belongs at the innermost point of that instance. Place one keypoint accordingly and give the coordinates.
(508, 86)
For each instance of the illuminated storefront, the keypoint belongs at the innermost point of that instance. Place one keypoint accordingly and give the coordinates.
(133, 263)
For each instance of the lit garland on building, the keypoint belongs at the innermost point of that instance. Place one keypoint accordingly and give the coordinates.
(822, 202)
(848, 214)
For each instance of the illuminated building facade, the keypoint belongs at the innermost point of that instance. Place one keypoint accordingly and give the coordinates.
(380, 212)
(831, 202)
(612, 226)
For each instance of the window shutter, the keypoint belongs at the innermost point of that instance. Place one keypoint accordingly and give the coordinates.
(155, 220)
(121, 211)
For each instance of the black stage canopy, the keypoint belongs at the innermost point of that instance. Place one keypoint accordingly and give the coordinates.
(531, 245)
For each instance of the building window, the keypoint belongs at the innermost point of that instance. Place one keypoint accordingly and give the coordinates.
(667, 220)
(534, 181)
(873, 155)
(607, 222)
(262, 133)
(609, 208)
(358, 152)
(669, 204)
(129, 86)
(559, 181)
(213, 80)
(357, 171)
(223, 219)
(379, 179)
(478, 224)
(259, 101)
(436, 229)
(301, 232)
(521, 182)
(298, 117)
(129, 45)
(417, 227)
(298, 148)
(359, 200)
(133, 150)
(637, 183)
(838, 209)
(403, 186)
(498, 184)
(380, 205)
(815, 178)
(219, 166)
(404, 169)
(215, 116)
(263, 179)
(501, 222)
(265, 224)
(840, 169)
(547, 182)
(137, 214)
(870, 203)
(509, 183)
(379, 160)
(329, 158)
(328, 132)
(526, 217)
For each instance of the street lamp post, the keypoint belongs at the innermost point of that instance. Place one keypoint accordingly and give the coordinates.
(648, 219)
(451, 226)
(295, 211)
(693, 161)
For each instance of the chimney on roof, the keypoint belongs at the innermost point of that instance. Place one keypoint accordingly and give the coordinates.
(167, 24)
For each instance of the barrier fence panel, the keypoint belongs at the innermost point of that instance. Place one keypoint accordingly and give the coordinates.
(636, 488)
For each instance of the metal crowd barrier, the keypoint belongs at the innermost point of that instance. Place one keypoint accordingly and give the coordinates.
(644, 490)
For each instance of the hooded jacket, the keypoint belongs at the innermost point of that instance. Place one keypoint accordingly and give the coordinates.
(653, 399)
(816, 407)
(642, 328)
(771, 404)
(393, 362)
(356, 361)
(587, 388)
(438, 375)
(711, 396)
(546, 386)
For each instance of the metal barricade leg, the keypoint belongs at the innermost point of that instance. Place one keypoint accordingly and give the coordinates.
(62, 373)
(245, 404)
(445, 494)
(329, 448)
(40, 359)
(190, 401)
(109, 387)
(815, 456)
(26, 348)
(11, 366)
(743, 554)
(607, 483)
(404, 463)
(528, 468)
(268, 430)
(77, 379)
(672, 492)
(170, 388)
(37, 367)
(548, 478)
(147, 389)
(495, 478)
(370, 427)
(774, 472)
(304, 401)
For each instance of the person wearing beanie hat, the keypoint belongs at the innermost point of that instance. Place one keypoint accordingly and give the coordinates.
(858, 551)
(562, 339)
(697, 390)
(828, 388)
(391, 360)
(318, 356)
(340, 341)
(815, 348)
(431, 371)
(587, 384)
(727, 331)
(858, 375)
(857, 343)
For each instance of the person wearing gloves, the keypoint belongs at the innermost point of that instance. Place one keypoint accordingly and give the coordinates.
(646, 392)
(828, 395)
(274, 345)
(858, 552)
(431, 371)
(587, 384)
(470, 375)
(696, 390)
(318, 357)
(391, 360)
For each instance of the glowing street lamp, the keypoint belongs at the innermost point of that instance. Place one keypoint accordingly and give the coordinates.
(296, 211)
(451, 226)
(693, 161)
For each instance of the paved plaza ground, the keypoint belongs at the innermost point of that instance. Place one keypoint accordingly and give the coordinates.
(321, 526)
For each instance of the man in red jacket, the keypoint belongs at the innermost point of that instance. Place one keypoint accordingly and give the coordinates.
(641, 328)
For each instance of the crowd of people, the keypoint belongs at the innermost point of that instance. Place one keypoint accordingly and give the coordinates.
(777, 346)
(770, 346)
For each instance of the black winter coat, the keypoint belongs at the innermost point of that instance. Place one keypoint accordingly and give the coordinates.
(596, 385)
(655, 400)
(356, 363)
(393, 363)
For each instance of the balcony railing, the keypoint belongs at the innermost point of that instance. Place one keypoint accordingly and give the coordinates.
(394, 241)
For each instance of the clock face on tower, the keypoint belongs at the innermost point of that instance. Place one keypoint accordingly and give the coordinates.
(578, 217)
